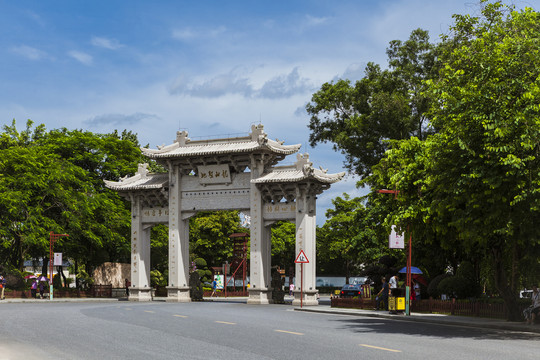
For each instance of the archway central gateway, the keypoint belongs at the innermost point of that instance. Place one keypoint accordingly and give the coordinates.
(237, 173)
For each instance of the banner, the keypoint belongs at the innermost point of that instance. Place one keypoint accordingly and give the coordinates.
(57, 259)
(396, 241)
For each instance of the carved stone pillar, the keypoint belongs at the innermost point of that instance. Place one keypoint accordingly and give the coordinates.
(260, 291)
(305, 240)
(140, 289)
(178, 289)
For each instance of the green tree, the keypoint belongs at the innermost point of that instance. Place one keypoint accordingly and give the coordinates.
(348, 240)
(52, 181)
(385, 104)
(476, 182)
(283, 244)
(209, 236)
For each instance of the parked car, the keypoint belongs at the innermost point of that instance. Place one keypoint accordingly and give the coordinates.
(351, 290)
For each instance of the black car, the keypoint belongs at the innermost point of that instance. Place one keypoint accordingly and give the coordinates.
(351, 290)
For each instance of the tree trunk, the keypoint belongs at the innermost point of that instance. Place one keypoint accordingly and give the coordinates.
(504, 288)
(45, 267)
(61, 273)
(76, 274)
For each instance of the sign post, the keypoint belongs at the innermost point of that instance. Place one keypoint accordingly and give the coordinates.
(301, 259)
(52, 239)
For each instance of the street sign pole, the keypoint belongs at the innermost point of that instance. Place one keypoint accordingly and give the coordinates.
(301, 259)
(52, 239)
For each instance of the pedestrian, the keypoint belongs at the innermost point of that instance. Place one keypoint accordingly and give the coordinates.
(41, 289)
(214, 286)
(127, 287)
(291, 289)
(393, 283)
(416, 290)
(2, 286)
(382, 296)
(33, 288)
(532, 311)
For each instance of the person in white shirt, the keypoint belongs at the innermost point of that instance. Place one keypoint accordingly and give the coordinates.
(534, 309)
(393, 283)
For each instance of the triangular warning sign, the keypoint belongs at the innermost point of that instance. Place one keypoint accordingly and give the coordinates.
(301, 258)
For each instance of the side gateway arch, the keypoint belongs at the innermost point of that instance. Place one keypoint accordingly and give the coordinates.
(237, 173)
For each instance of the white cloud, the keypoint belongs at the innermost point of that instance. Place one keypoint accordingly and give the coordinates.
(284, 86)
(81, 57)
(29, 52)
(219, 85)
(119, 119)
(236, 82)
(315, 21)
(111, 44)
(188, 34)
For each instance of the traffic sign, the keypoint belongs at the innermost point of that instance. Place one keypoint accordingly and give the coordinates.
(301, 258)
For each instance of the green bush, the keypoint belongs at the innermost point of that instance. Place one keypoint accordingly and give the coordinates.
(434, 284)
(463, 285)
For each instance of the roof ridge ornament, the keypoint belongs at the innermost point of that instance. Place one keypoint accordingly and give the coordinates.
(142, 170)
(258, 134)
(303, 163)
(182, 138)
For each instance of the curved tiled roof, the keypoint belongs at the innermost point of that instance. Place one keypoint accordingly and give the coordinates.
(211, 148)
(256, 141)
(297, 175)
(142, 180)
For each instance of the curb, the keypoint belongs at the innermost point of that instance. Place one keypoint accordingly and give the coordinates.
(517, 327)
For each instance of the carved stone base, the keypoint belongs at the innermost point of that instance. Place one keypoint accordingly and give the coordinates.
(140, 294)
(178, 294)
(310, 298)
(260, 297)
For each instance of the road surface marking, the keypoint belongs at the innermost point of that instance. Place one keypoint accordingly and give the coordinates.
(129, 309)
(289, 332)
(380, 348)
(182, 316)
(225, 322)
(149, 311)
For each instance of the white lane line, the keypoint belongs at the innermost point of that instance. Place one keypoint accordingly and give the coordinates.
(379, 348)
(225, 322)
(289, 332)
(182, 316)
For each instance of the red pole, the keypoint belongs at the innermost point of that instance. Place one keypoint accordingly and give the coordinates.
(301, 284)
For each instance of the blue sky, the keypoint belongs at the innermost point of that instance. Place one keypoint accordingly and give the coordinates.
(210, 67)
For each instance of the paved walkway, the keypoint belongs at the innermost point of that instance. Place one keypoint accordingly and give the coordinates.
(439, 319)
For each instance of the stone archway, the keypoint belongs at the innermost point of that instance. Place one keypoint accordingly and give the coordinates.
(223, 174)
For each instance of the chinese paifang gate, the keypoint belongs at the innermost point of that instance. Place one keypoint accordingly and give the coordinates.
(238, 173)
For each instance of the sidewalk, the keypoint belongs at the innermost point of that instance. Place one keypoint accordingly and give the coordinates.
(439, 319)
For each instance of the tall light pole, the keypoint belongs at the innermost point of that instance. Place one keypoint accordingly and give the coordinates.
(408, 277)
(52, 239)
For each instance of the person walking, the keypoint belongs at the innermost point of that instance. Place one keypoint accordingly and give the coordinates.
(2, 286)
(214, 286)
(33, 288)
(382, 296)
(291, 289)
(532, 311)
(127, 287)
(41, 289)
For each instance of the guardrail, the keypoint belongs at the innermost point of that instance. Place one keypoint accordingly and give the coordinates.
(101, 290)
(452, 307)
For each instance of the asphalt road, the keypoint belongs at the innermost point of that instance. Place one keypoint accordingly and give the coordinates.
(231, 330)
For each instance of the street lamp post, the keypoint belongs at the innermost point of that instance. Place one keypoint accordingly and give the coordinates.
(408, 277)
(52, 239)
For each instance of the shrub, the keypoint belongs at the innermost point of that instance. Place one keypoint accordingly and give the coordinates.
(433, 285)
